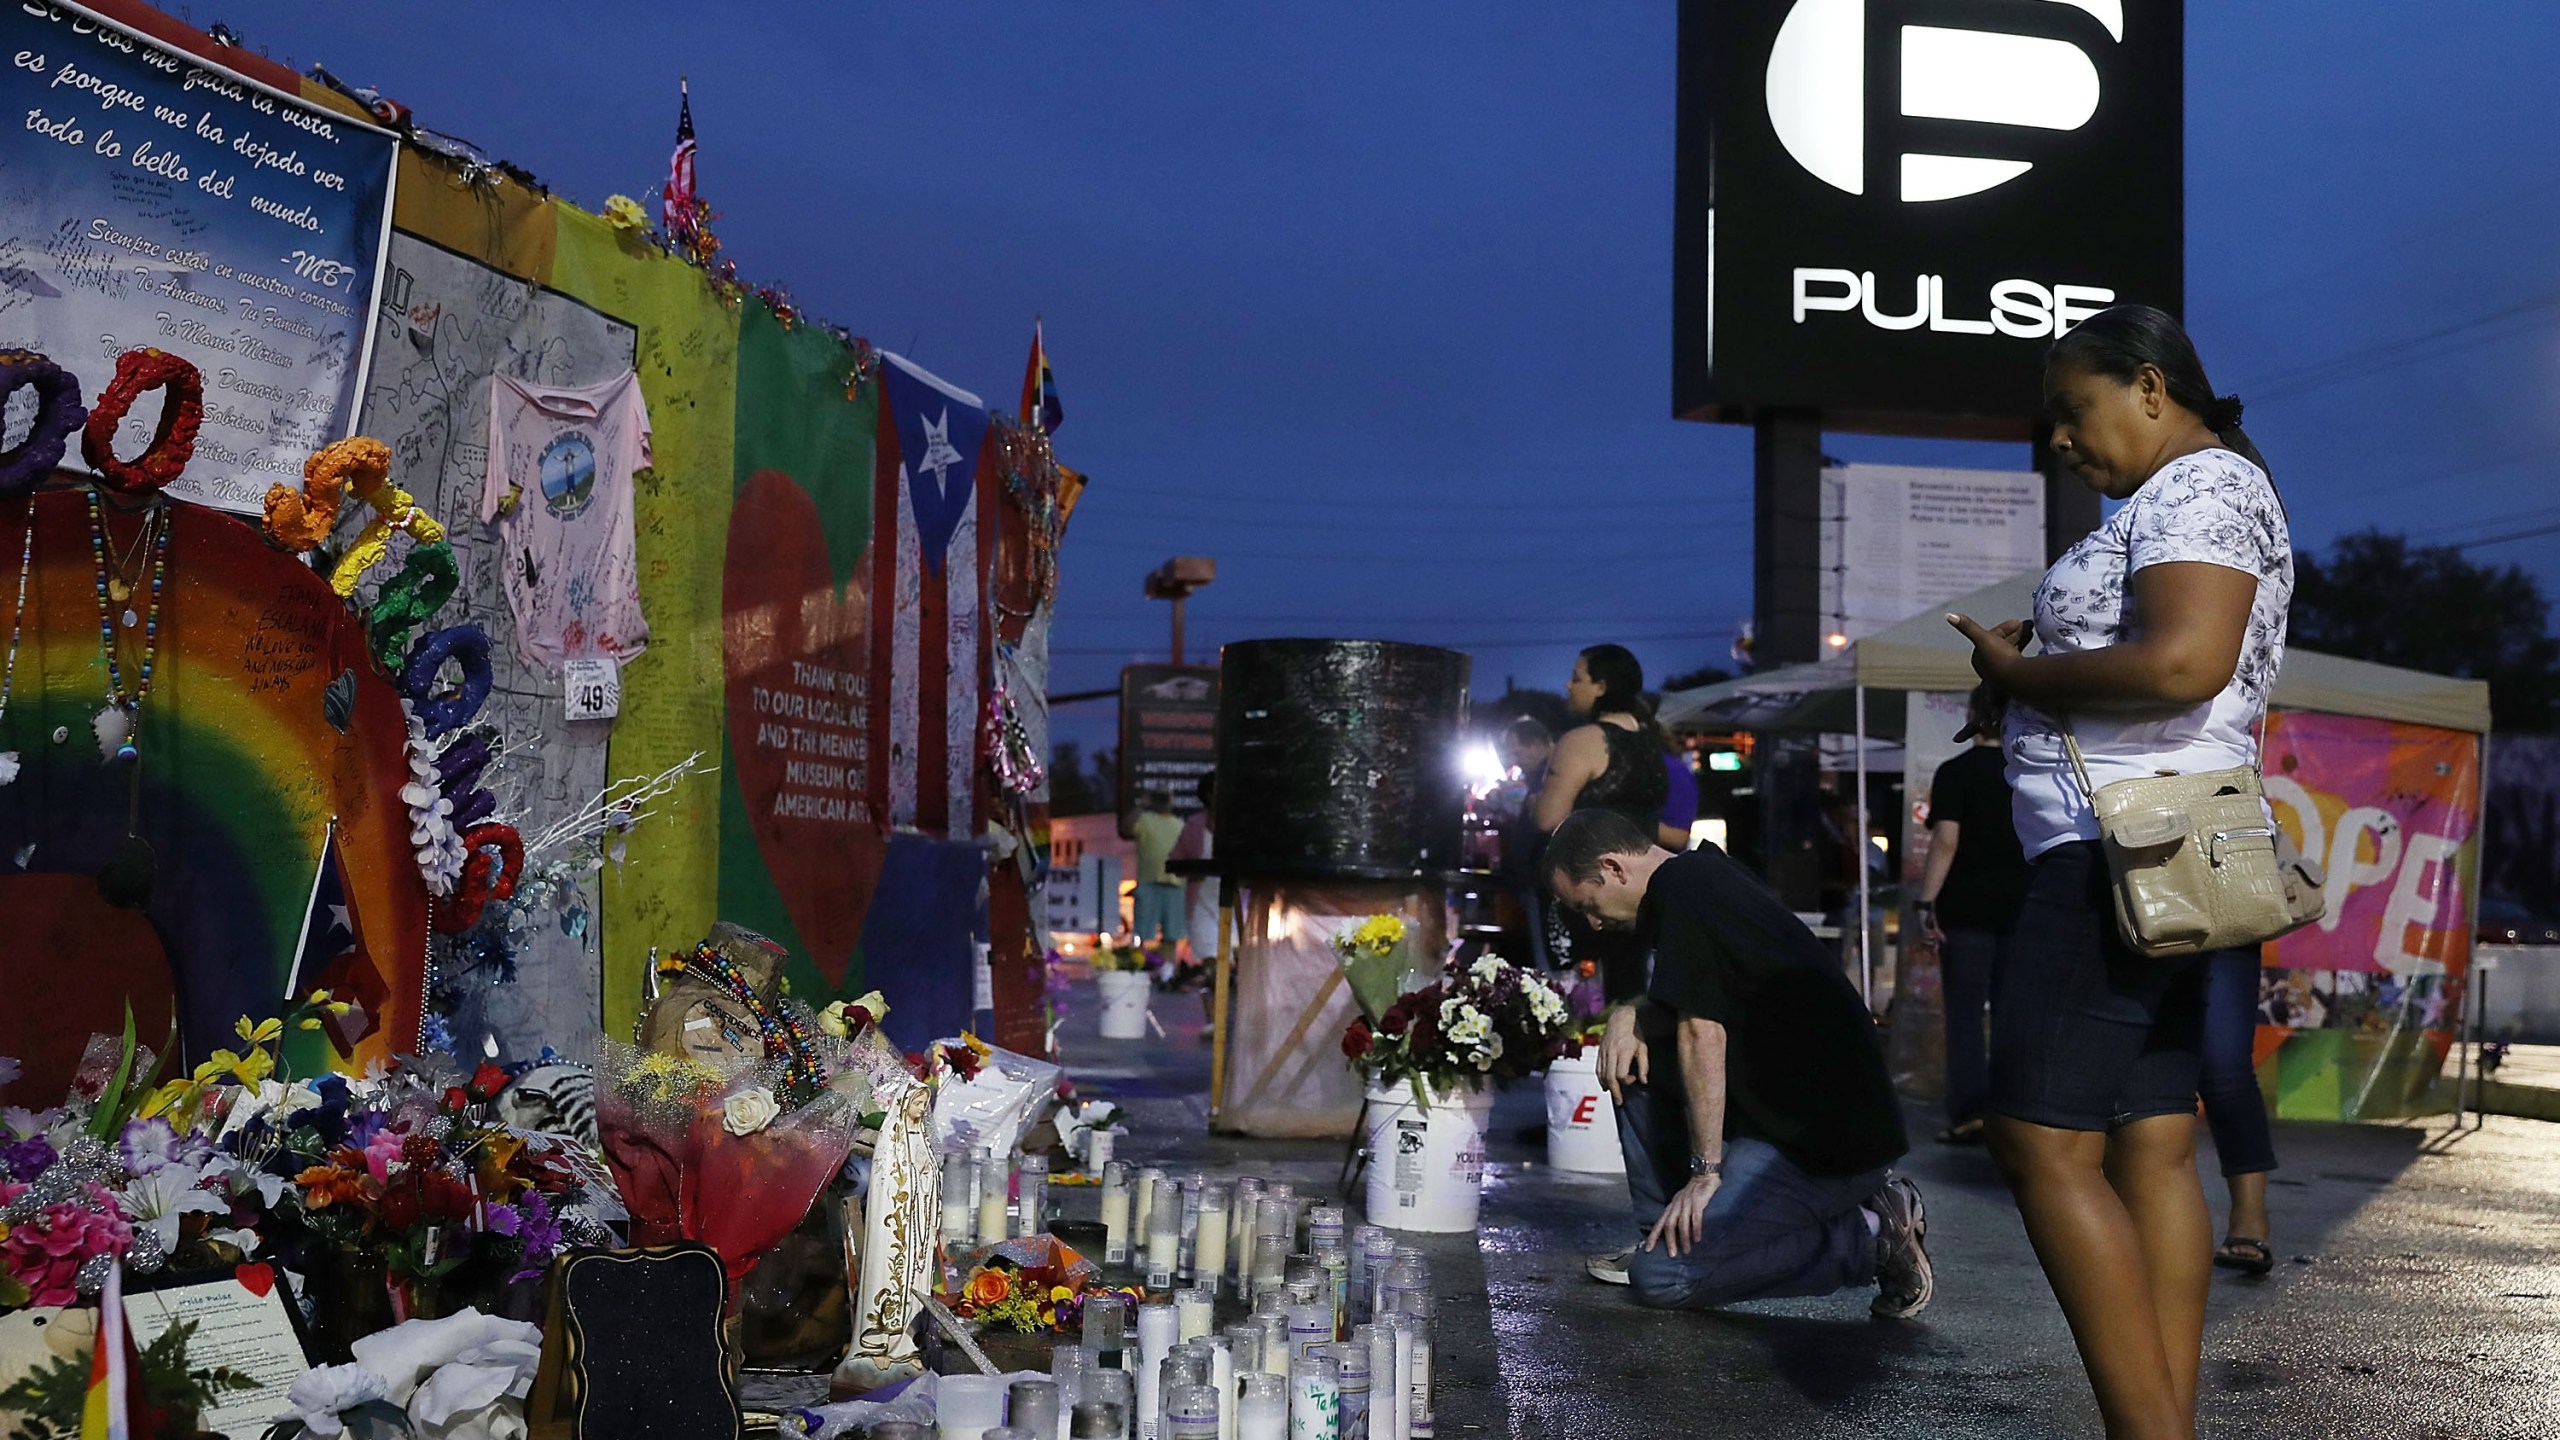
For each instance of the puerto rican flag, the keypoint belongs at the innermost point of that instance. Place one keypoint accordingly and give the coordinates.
(932, 549)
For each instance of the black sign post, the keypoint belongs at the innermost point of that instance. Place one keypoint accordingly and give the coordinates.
(1884, 214)
(1168, 734)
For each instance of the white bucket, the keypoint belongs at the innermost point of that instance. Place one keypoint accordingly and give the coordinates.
(1426, 1167)
(1582, 1121)
(1124, 1003)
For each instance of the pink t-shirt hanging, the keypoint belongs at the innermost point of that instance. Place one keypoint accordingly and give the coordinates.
(568, 453)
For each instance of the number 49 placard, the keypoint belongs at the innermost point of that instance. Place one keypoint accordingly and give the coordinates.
(594, 689)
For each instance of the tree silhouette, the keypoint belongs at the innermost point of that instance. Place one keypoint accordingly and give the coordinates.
(2379, 598)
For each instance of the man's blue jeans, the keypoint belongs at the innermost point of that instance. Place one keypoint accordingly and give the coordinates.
(1773, 1229)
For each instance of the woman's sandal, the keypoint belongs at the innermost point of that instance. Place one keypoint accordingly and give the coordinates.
(2248, 1256)
(1964, 1132)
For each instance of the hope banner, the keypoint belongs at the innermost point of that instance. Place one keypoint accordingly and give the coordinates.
(150, 198)
(2358, 1008)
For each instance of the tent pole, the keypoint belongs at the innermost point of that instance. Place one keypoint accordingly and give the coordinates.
(1866, 958)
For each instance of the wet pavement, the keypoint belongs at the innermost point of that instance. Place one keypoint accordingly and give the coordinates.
(2417, 1292)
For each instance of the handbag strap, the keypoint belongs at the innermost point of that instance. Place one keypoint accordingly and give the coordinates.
(2079, 762)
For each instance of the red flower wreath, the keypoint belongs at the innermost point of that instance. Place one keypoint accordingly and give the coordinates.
(181, 412)
(485, 877)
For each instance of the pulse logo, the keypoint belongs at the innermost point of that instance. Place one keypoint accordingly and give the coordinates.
(1817, 91)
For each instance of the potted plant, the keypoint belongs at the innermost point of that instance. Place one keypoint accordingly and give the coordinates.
(1430, 1057)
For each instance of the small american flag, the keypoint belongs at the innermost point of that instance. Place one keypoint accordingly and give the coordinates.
(676, 203)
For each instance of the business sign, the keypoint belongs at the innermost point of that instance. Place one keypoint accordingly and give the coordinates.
(1885, 212)
(151, 198)
(1899, 539)
(1168, 733)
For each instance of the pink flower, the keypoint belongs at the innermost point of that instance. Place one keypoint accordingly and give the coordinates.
(45, 1252)
(380, 1151)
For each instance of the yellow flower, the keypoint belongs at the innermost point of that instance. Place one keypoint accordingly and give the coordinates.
(624, 213)
(307, 1022)
(258, 1033)
(339, 1007)
(248, 1069)
(832, 1021)
(317, 997)
(169, 1097)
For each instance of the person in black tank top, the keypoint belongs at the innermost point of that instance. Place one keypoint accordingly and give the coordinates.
(1615, 763)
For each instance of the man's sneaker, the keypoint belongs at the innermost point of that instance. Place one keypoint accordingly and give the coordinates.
(1904, 1280)
(1609, 1267)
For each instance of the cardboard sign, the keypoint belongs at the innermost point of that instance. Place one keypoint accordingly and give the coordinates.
(591, 689)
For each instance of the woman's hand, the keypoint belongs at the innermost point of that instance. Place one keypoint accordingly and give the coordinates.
(1995, 648)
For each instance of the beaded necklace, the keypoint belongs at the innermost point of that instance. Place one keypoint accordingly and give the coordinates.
(117, 720)
(17, 629)
(803, 1077)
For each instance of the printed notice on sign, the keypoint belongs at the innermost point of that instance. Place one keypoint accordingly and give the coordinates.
(149, 198)
(1898, 539)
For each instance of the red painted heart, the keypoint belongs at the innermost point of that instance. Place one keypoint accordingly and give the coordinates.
(799, 714)
(257, 1279)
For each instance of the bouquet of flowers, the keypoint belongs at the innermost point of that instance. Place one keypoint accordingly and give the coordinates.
(1487, 1019)
(1118, 952)
(1376, 955)
(1033, 1285)
(727, 1139)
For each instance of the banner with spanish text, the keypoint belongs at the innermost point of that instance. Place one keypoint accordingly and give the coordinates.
(149, 197)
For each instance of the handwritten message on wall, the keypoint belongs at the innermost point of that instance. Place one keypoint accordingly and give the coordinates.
(150, 199)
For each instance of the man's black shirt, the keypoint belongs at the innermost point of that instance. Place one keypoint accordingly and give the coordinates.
(1803, 1069)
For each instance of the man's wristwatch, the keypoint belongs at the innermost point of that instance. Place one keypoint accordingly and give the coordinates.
(1700, 1166)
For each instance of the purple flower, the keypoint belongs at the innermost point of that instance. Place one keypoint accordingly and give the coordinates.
(27, 1159)
(147, 1145)
(539, 1232)
(8, 1069)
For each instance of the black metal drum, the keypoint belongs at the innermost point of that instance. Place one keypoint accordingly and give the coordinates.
(1339, 759)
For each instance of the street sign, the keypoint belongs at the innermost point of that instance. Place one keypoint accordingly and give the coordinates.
(1885, 213)
(1168, 733)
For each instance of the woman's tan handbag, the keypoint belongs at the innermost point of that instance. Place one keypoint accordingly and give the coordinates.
(2196, 861)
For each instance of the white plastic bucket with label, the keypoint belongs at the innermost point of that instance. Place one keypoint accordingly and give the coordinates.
(1124, 1003)
(1582, 1121)
(1426, 1167)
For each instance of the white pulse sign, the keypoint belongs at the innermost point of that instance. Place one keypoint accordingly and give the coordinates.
(593, 688)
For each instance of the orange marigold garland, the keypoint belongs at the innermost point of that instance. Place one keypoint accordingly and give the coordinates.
(298, 520)
(181, 414)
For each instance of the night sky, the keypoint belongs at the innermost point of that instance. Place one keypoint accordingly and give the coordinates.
(1371, 302)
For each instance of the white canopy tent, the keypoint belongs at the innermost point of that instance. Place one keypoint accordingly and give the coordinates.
(1925, 653)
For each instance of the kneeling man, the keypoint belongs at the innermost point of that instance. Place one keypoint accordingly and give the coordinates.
(1753, 1103)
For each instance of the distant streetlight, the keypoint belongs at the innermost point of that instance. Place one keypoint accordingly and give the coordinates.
(1174, 580)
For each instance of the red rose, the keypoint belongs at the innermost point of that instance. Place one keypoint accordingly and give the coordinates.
(444, 1197)
(1396, 1018)
(454, 1099)
(400, 1207)
(487, 1081)
(1358, 1041)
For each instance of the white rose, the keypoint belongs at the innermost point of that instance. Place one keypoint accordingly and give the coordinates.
(749, 1111)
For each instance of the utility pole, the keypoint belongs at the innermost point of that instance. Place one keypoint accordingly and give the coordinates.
(1174, 580)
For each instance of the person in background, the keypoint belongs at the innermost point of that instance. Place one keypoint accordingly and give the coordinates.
(2159, 636)
(1680, 804)
(1614, 763)
(1524, 747)
(2235, 1109)
(1200, 892)
(1969, 896)
(1758, 1154)
(1158, 912)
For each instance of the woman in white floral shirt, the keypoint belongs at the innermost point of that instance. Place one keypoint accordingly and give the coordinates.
(2158, 636)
